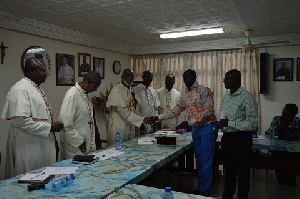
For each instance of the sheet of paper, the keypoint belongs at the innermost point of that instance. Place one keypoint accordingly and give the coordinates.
(34, 177)
(146, 140)
(164, 132)
(111, 152)
(59, 170)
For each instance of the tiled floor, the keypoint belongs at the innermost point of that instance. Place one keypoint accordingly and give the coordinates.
(262, 186)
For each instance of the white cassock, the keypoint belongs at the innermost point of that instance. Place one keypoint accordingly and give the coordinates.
(168, 100)
(30, 144)
(122, 117)
(77, 116)
(148, 102)
(66, 74)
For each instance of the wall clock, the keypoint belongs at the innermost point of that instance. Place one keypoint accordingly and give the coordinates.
(38, 52)
(117, 67)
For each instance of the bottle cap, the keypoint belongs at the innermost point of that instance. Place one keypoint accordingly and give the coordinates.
(168, 189)
(117, 133)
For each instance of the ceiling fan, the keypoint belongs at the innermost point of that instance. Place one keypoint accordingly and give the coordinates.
(248, 45)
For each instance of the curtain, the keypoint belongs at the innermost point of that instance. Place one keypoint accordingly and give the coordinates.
(210, 67)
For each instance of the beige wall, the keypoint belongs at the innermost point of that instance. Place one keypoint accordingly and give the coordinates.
(280, 93)
(11, 71)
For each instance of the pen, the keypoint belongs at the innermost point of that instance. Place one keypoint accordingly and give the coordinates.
(37, 175)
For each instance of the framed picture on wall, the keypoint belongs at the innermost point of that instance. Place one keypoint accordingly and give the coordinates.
(99, 65)
(84, 64)
(65, 73)
(283, 69)
(298, 69)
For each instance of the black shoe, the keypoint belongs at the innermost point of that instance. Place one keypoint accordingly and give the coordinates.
(282, 182)
(293, 183)
(203, 194)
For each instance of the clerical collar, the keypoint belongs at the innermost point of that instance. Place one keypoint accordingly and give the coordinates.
(32, 82)
(80, 89)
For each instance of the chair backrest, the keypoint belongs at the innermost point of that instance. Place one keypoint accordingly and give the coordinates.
(288, 133)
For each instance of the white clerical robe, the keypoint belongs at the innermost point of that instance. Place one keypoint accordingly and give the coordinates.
(30, 144)
(168, 100)
(148, 103)
(66, 74)
(77, 116)
(122, 119)
(148, 100)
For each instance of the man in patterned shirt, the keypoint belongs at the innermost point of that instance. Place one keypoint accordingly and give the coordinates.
(241, 120)
(199, 103)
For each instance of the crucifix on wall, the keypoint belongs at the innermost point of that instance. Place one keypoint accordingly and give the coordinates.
(2, 52)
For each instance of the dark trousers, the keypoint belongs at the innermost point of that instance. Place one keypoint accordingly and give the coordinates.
(236, 151)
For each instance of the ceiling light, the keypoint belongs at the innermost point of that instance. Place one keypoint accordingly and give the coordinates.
(192, 33)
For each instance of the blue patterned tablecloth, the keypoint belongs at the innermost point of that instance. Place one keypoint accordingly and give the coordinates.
(139, 191)
(274, 145)
(104, 177)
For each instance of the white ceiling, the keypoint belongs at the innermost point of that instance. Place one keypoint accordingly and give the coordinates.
(133, 26)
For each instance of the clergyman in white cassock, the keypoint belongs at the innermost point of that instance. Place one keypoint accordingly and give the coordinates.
(147, 97)
(121, 107)
(168, 97)
(78, 136)
(30, 144)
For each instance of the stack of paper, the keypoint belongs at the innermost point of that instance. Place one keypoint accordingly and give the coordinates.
(29, 178)
(146, 140)
(108, 153)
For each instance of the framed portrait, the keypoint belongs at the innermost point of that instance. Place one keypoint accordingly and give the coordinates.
(298, 69)
(84, 64)
(65, 73)
(99, 65)
(283, 69)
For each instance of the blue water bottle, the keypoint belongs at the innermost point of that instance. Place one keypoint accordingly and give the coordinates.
(118, 142)
(184, 132)
(63, 182)
(272, 132)
(167, 194)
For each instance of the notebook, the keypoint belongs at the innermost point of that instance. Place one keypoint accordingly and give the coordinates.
(288, 133)
(32, 178)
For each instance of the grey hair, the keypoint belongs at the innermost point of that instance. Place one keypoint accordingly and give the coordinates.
(93, 76)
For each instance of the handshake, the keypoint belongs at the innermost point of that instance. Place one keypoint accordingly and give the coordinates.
(151, 120)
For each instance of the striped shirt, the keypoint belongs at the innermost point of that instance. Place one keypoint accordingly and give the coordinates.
(240, 110)
(199, 103)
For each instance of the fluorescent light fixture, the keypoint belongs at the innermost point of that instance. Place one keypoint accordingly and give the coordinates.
(192, 33)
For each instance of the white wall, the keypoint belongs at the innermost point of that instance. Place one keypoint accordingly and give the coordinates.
(280, 92)
(11, 71)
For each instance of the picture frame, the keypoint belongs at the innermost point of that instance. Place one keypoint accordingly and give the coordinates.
(65, 72)
(99, 65)
(283, 69)
(84, 64)
(298, 69)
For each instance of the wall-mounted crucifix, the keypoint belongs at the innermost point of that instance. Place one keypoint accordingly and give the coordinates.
(2, 52)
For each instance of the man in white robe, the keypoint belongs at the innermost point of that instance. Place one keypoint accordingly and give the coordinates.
(30, 143)
(168, 97)
(122, 106)
(78, 136)
(65, 73)
(149, 102)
